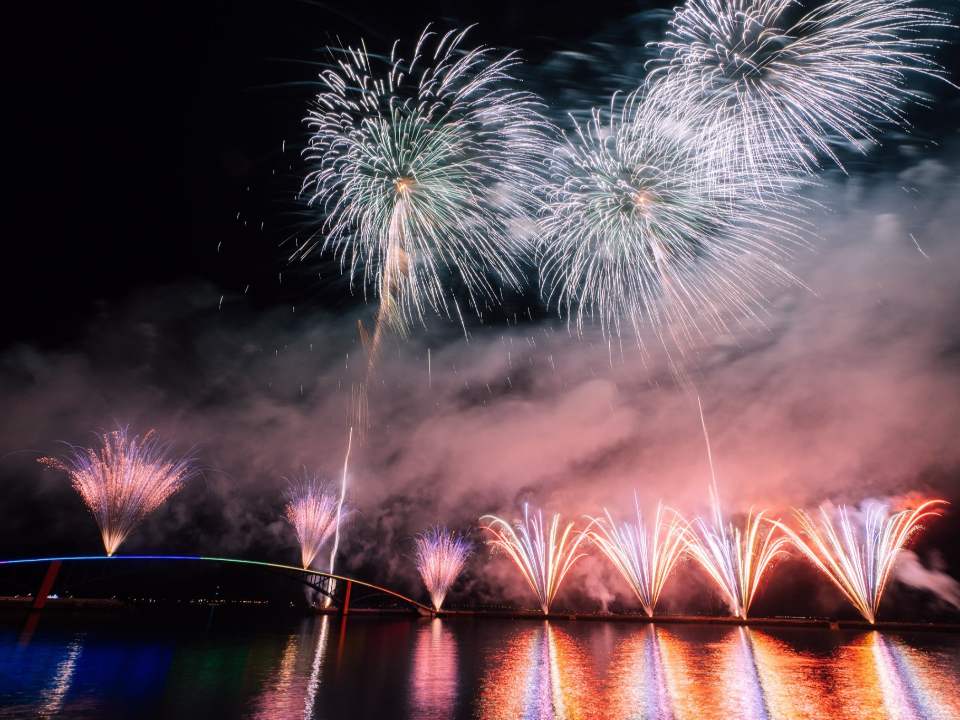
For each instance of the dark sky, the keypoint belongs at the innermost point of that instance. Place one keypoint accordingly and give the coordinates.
(147, 149)
(139, 135)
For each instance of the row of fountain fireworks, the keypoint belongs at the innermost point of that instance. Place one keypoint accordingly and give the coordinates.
(126, 478)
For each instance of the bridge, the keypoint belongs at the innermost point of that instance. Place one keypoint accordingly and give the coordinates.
(344, 593)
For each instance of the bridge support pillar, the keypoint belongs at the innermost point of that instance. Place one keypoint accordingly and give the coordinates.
(41, 599)
(346, 598)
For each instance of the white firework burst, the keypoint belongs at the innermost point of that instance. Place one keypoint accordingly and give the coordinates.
(788, 93)
(640, 228)
(424, 170)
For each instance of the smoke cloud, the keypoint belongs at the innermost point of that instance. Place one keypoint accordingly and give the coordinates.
(849, 389)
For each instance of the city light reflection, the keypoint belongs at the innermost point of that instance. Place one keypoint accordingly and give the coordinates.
(52, 697)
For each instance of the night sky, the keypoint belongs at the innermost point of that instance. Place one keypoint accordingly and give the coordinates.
(152, 199)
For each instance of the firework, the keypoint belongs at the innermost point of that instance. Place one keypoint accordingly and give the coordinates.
(544, 560)
(645, 559)
(315, 514)
(423, 167)
(124, 480)
(439, 556)
(340, 511)
(737, 559)
(641, 228)
(767, 90)
(859, 564)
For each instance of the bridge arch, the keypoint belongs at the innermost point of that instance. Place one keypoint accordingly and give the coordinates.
(343, 591)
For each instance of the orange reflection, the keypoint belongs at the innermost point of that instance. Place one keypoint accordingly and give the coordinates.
(542, 672)
(710, 679)
(884, 677)
(435, 671)
(283, 693)
(636, 685)
(793, 683)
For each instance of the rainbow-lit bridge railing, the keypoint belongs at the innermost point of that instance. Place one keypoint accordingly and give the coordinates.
(345, 593)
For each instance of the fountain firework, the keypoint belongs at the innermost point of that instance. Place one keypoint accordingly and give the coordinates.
(860, 565)
(544, 560)
(423, 169)
(124, 480)
(639, 227)
(768, 91)
(644, 558)
(439, 556)
(315, 514)
(737, 559)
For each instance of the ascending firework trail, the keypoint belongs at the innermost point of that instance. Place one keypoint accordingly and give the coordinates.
(421, 171)
(735, 558)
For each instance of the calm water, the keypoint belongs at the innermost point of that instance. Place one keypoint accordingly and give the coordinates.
(317, 667)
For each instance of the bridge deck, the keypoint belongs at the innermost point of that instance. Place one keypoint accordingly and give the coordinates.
(347, 581)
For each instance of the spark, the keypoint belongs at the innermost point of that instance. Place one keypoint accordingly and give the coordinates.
(774, 92)
(918, 247)
(544, 560)
(313, 512)
(422, 170)
(859, 563)
(639, 228)
(124, 480)
(439, 556)
(736, 559)
(645, 559)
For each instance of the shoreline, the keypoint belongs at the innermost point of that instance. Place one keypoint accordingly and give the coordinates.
(825, 623)
(93, 605)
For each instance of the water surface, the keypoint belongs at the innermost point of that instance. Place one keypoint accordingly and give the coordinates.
(237, 666)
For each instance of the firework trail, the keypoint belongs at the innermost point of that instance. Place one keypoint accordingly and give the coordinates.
(859, 564)
(769, 91)
(423, 168)
(544, 560)
(439, 556)
(343, 492)
(124, 480)
(640, 228)
(736, 559)
(644, 558)
(313, 512)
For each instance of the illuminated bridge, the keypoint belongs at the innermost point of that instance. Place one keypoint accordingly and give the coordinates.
(344, 593)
